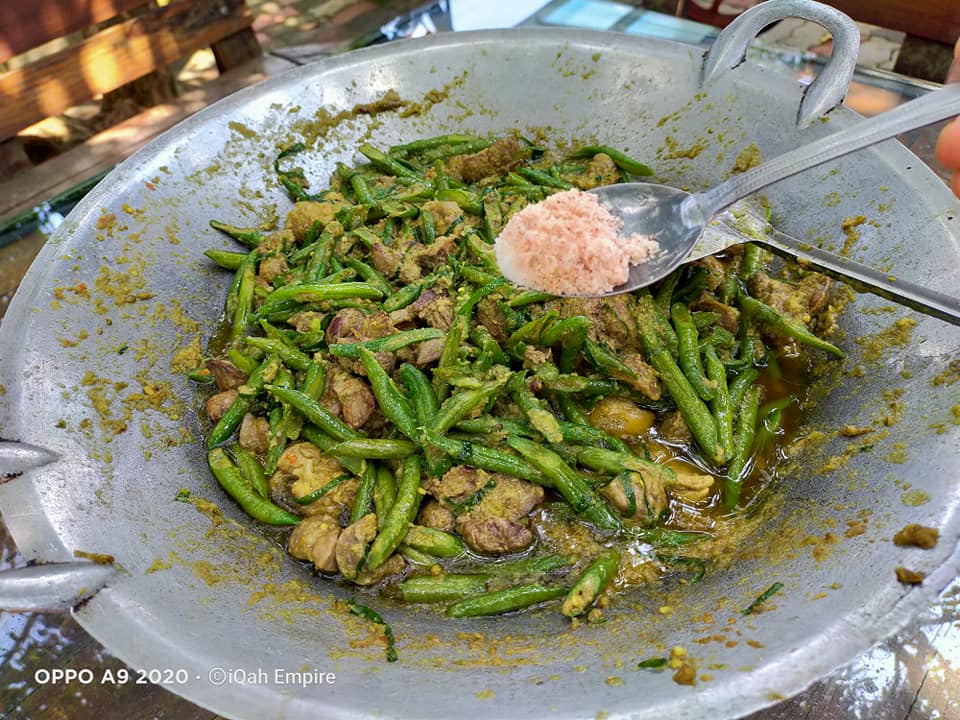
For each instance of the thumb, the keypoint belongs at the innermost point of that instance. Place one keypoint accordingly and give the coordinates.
(953, 75)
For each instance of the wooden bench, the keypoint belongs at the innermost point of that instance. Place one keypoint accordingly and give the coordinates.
(100, 46)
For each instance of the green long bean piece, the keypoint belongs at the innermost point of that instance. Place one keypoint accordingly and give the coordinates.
(785, 325)
(391, 343)
(743, 445)
(230, 479)
(393, 403)
(592, 581)
(401, 514)
(504, 601)
(721, 405)
(575, 491)
(442, 588)
(692, 408)
(688, 351)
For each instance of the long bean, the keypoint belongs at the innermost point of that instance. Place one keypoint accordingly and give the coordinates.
(489, 459)
(784, 324)
(621, 159)
(314, 412)
(721, 405)
(504, 601)
(692, 408)
(230, 479)
(743, 445)
(401, 514)
(434, 542)
(393, 403)
(390, 343)
(251, 470)
(575, 491)
(441, 588)
(226, 259)
(375, 448)
(688, 351)
(592, 581)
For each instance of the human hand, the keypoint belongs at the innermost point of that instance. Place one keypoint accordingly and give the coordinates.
(948, 145)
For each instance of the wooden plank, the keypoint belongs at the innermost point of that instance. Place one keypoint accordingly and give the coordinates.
(236, 49)
(25, 25)
(114, 57)
(931, 19)
(104, 150)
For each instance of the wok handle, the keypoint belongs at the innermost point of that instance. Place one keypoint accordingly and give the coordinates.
(17, 458)
(829, 88)
(56, 587)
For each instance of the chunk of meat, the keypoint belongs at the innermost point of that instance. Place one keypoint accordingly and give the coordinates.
(276, 242)
(345, 325)
(444, 212)
(716, 271)
(649, 497)
(673, 428)
(307, 321)
(495, 536)
(601, 170)
(509, 497)
(386, 261)
(729, 317)
(272, 267)
(356, 399)
(498, 524)
(435, 308)
(315, 539)
(428, 352)
(255, 434)
(217, 405)
(352, 545)
(304, 468)
(458, 484)
(690, 484)
(352, 326)
(801, 302)
(646, 380)
(435, 515)
(304, 213)
(420, 257)
(498, 159)
(227, 375)
(612, 320)
(534, 357)
(915, 535)
(394, 565)
(492, 318)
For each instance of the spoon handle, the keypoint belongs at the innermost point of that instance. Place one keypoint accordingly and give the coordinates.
(863, 278)
(930, 108)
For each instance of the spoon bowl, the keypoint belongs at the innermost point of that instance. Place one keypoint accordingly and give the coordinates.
(671, 215)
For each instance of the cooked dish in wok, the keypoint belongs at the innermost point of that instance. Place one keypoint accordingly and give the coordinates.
(436, 434)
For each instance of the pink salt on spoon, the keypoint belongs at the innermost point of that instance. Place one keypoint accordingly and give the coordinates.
(569, 244)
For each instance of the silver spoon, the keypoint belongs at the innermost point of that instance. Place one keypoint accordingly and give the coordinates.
(677, 218)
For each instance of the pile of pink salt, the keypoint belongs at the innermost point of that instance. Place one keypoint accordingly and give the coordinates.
(569, 244)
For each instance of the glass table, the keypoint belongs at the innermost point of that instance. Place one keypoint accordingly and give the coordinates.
(915, 674)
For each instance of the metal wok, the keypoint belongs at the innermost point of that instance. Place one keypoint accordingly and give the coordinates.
(88, 342)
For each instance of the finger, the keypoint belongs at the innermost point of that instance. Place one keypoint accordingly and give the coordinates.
(947, 151)
(955, 184)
